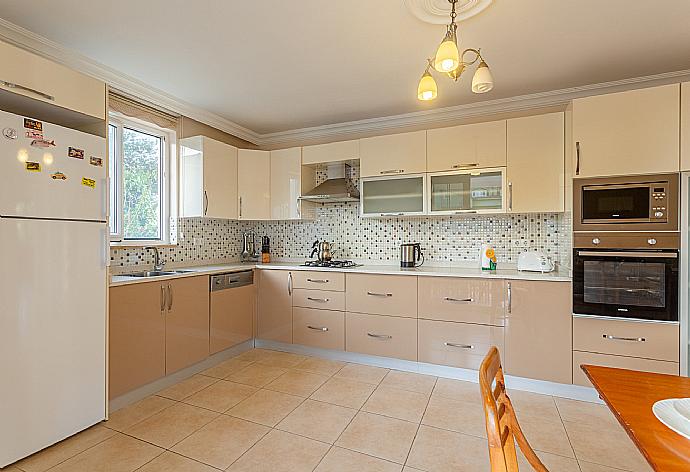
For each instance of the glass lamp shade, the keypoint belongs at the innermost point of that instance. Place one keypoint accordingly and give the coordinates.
(427, 89)
(447, 56)
(482, 81)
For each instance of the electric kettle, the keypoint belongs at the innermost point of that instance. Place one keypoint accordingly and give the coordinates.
(410, 254)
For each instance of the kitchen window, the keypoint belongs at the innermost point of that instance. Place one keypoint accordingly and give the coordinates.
(139, 170)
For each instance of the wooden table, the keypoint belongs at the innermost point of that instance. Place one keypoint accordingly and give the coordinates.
(630, 395)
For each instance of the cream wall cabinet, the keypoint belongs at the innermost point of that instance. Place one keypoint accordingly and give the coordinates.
(393, 154)
(467, 146)
(685, 126)
(274, 314)
(289, 180)
(393, 196)
(208, 178)
(331, 152)
(30, 75)
(633, 132)
(235, 325)
(254, 184)
(538, 330)
(536, 164)
(466, 191)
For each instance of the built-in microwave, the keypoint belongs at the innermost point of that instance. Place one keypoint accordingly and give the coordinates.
(632, 203)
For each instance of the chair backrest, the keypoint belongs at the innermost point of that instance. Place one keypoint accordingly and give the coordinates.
(502, 428)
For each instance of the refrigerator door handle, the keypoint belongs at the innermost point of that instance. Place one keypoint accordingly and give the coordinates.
(106, 246)
(106, 196)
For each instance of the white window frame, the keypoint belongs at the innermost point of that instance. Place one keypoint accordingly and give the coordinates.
(168, 174)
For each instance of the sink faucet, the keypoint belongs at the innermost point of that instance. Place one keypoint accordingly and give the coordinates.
(158, 264)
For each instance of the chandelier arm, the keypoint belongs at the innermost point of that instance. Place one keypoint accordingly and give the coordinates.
(477, 57)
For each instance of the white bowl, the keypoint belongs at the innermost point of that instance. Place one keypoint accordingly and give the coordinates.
(675, 414)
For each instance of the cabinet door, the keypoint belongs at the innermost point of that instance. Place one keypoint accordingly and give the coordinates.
(136, 336)
(220, 180)
(468, 146)
(331, 152)
(538, 330)
(232, 317)
(254, 184)
(685, 126)
(634, 132)
(466, 191)
(393, 196)
(186, 322)
(536, 163)
(289, 179)
(403, 153)
(275, 306)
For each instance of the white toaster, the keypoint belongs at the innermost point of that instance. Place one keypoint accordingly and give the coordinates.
(534, 261)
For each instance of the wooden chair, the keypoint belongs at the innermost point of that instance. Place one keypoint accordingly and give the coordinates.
(502, 428)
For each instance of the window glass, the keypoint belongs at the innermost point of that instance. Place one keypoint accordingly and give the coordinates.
(114, 178)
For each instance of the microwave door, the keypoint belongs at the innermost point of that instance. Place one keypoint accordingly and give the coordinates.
(615, 204)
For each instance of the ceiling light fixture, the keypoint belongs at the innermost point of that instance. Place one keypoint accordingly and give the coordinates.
(450, 61)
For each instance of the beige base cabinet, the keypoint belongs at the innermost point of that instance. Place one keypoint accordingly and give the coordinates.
(457, 344)
(536, 164)
(464, 300)
(254, 184)
(376, 335)
(323, 329)
(208, 178)
(538, 330)
(289, 181)
(685, 126)
(274, 314)
(474, 146)
(620, 362)
(236, 325)
(403, 153)
(394, 295)
(633, 132)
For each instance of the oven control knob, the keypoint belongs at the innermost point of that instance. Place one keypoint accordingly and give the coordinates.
(651, 241)
(658, 214)
(596, 241)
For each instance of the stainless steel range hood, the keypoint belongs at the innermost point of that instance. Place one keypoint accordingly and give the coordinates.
(337, 188)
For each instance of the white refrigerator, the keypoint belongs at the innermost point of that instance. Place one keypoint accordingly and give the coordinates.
(54, 256)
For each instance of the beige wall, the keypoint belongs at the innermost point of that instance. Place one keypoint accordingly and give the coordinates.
(190, 127)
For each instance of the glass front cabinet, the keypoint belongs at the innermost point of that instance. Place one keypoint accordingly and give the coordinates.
(471, 191)
(393, 196)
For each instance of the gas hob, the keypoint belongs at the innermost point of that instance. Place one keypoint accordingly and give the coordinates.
(332, 264)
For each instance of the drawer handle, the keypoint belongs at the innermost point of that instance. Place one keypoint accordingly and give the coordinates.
(27, 89)
(468, 164)
(322, 300)
(463, 300)
(380, 336)
(393, 171)
(374, 294)
(618, 338)
(318, 328)
(318, 281)
(461, 346)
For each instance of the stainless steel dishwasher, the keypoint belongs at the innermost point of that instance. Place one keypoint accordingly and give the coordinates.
(232, 309)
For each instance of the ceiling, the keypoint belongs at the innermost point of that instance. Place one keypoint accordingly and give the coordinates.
(281, 65)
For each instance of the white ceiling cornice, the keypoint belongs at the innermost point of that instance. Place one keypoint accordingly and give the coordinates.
(37, 44)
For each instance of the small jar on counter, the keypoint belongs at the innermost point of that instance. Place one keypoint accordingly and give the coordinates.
(265, 250)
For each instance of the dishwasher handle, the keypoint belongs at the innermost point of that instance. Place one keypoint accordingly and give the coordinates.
(231, 280)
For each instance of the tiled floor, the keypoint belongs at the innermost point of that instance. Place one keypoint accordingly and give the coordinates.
(273, 411)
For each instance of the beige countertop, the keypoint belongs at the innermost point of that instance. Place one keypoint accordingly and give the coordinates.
(509, 273)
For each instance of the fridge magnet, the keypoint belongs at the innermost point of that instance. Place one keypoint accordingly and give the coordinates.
(33, 124)
(75, 153)
(42, 143)
(33, 166)
(58, 176)
(88, 182)
(9, 133)
(96, 161)
(33, 134)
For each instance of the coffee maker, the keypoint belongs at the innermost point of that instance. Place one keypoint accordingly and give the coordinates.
(411, 254)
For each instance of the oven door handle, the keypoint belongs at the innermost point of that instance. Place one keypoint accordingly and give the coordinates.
(658, 255)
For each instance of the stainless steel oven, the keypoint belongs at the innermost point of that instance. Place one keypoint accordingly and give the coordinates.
(632, 203)
(622, 279)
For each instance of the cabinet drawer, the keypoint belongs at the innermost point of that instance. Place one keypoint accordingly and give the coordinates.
(318, 328)
(457, 344)
(394, 295)
(319, 299)
(606, 360)
(465, 300)
(386, 336)
(319, 280)
(627, 338)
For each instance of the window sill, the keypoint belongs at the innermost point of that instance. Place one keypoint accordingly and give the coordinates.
(140, 244)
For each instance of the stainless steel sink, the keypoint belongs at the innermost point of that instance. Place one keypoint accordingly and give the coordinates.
(156, 273)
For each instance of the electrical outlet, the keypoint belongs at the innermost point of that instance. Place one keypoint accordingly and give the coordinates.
(521, 243)
(198, 241)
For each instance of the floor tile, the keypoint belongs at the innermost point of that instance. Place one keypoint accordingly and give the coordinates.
(362, 373)
(606, 445)
(546, 435)
(379, 436)
(222, 441)
(437, 450)
(221, 396)
(172, 425)
(590, 467)
(534, 405)
(225, 368)
(458, 389)
(320, 366)
(455, 415)
(279, 451)
(120, 453)
(256, 375)
(318, 420)
(187, 387)
(344, 460)
(297, 382)
(401, 404)
(553, 462)
(65, 449)
(266, 407)
(171, 462)
(284, 360)
(592, 414)
(253, 355)
(130, 415)
(344, 392)
(409, 381)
